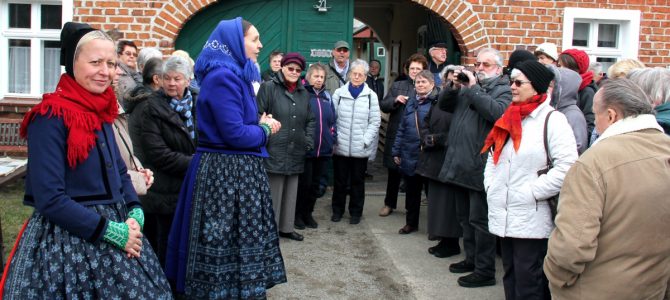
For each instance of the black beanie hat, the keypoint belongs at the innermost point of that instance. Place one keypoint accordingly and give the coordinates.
(539, 75)
(69, 38)
(518, 56)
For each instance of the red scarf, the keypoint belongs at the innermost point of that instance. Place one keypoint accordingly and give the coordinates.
(510, 125)
(587, 78)
(290, 86)
(82, 112)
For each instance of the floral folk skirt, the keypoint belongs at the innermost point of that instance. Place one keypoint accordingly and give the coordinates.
(226, 221)
(51, 263)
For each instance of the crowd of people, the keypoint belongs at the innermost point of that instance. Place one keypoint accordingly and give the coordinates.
(157, 177)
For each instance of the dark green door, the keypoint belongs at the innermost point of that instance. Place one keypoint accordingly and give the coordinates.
(286, 25)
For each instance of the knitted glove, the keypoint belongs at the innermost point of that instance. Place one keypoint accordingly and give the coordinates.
(137, 214)
(117, 234)
(266, 128)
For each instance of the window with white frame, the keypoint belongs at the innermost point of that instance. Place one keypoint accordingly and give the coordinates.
(607, 35)
(30, 46)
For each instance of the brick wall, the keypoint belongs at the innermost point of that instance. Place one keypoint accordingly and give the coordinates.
(502, 24)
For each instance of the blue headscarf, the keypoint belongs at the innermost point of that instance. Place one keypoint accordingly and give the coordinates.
(225, 48)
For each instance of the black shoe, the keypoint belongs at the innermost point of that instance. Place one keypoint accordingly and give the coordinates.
(446, 252)
(336, 218)
(310, 222)
(461, 267)
(322, 191)
(354, 220)
(476, 280)
(291, 235)
(298, 223)
(437, 247)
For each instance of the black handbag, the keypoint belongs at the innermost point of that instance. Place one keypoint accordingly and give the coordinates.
(552, 201)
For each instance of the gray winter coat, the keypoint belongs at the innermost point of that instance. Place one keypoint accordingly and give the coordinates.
(289, 146)
(564, 99)
(333, 81)
(395, 110)
(357, 122)
(475, 110)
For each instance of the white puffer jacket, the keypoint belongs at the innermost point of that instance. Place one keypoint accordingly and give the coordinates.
(514, 190)
(358, 122)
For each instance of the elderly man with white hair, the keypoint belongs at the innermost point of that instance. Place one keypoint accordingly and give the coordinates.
(611, 239)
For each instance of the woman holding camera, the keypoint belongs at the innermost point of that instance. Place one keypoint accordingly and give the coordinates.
(518, 181)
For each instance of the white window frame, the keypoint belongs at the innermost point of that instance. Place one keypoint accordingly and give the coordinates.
(629, 30)
(36, 37)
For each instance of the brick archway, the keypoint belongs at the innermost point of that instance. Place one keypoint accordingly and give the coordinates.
(468, 28)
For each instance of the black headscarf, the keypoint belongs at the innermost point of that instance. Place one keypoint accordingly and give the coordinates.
(69, 38)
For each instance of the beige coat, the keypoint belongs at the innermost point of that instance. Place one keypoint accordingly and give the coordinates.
(612, 236)
(126, 147)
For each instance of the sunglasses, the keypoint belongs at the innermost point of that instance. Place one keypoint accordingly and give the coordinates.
(127, 53)
(519, 83)
(342, 49)
(293, 69)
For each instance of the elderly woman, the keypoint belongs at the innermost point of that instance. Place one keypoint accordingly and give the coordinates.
(358, 120)
(287, 100)
(168, 140)
(275, 65)
(518, 181)
(324, 139)
(136, 101)
(394, 105)
(407, 145)
(224, 244)
(654, 82)
(84, 239)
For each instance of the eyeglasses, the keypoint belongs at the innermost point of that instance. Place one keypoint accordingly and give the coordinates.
(485, 64)
(518, 82)
(128, 53)
(342, 49)
(293, 69)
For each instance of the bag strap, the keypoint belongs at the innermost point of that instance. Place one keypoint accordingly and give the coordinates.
(130, 152)
(550, 163)
(338, 75)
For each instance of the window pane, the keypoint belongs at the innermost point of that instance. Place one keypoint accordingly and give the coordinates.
(51, 59)
(19, 15)
(51, 16)
(19, 66)
(608, 35)
(580, 34)
(606, 62)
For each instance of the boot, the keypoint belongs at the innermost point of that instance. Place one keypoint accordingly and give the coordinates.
(310, 222)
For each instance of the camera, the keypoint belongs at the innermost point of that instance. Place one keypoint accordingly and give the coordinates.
(463, 78)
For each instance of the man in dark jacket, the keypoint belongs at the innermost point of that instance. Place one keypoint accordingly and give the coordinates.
(375, 81)
(438, 59)
(476, 104)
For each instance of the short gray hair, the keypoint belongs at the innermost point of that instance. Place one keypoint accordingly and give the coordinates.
(427, 75)
(626, 96)
(178, 64)
(655, 82)
(316, 67)
(146, 54)
(498, 56)
(360, 63)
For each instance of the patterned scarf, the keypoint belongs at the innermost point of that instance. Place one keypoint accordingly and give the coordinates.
(183, 108)
(509, 125)
(82, 113)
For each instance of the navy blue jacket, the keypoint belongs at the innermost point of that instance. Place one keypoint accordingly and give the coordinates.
(407, 143)
(61, 193)
(228, 115)
(325, 132)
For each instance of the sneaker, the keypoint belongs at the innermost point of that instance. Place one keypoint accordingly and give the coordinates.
(475, 280)
(336, 218)
(462, 267)
(385, 211)
(310, 222)
(298, 223)
(354, 220)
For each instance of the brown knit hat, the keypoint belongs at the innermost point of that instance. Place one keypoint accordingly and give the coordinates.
(540, 77)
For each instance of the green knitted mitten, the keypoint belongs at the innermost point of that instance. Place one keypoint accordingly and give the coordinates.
(117, 234)
(137, 214)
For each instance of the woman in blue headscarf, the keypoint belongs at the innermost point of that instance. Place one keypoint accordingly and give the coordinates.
(223, 242)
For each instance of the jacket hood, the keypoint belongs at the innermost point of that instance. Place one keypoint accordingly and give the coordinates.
(135, 96)
(566, 89)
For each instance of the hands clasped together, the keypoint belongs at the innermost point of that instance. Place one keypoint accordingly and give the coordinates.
(274, 125)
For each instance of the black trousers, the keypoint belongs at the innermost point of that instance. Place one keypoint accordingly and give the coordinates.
(308, 185)
(392, 188)
(522, 260)
(413, 187)
(157, 230)
(479, 244)
(349, 175)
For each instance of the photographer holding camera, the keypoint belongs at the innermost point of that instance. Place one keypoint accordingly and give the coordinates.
(476, 99)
